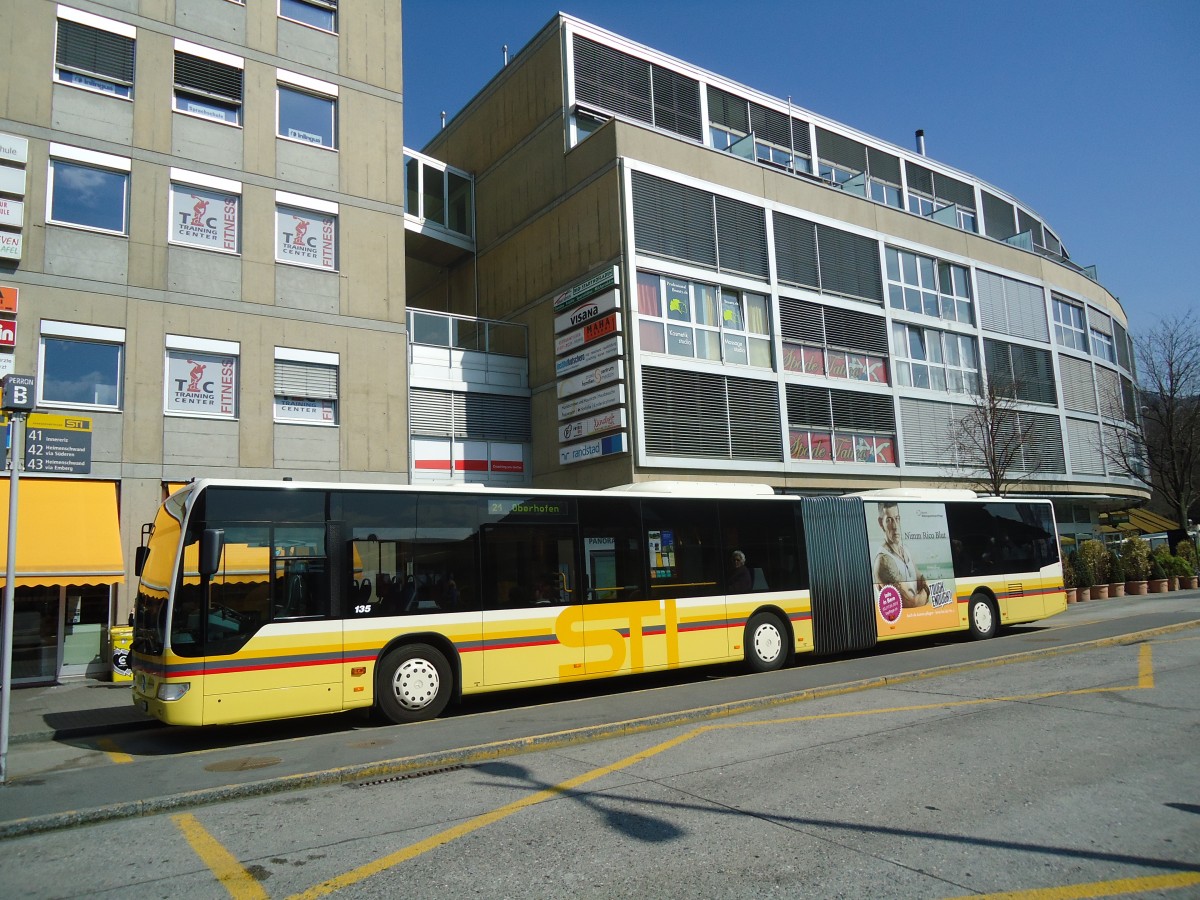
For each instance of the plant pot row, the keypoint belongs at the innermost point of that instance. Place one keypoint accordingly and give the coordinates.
(1133, 588)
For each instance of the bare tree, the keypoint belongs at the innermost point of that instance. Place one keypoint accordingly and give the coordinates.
(991, 442)
(1166, 452)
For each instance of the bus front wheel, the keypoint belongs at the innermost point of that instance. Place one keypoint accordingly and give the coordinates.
(415, 683)
(765, 642)
(981, 617)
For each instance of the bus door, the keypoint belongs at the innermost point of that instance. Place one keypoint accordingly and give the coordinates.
(263, 624)
(840, 580)
(655, 597)
(531, 586)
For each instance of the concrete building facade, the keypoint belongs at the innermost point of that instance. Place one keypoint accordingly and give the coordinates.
(720, 285)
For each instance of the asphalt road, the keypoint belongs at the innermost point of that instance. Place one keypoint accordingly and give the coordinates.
(1055, 756)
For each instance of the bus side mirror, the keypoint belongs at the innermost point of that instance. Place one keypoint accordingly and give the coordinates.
(212, 541)
(139, 560)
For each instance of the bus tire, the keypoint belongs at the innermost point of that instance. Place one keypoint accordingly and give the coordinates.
(414, 683)
(765, 641)
(982, 619)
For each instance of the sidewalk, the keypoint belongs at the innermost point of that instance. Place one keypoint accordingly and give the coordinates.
(74, 708)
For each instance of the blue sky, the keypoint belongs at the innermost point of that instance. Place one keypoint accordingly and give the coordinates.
(1089, 112)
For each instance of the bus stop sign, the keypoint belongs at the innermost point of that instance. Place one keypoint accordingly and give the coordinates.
(19, 392)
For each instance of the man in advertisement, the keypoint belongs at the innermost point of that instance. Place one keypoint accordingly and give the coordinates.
(893, 563)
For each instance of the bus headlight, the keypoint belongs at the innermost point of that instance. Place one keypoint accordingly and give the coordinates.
(171, 692)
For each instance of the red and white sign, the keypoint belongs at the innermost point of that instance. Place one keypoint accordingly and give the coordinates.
(12, 213)
(8, 333)
(592, 331)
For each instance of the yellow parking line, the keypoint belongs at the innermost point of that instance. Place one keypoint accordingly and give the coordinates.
(1097, 888)
(114, 753)
(232, 875)
(1145, 679)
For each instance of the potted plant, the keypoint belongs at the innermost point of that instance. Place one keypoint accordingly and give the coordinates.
(1096, 554)
(1083, 577)
(1135, 554)
(1158, 576)
(1116, 575)
(1186, 551)
(1068, 566)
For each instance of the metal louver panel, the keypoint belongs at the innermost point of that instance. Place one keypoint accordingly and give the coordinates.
(1121, 341)
(839, 565)
(770, 125)
(206, 76)
(677, 103)
(919, 178)
(755, 430)
(952, 190)
(997, 217)
(841, 150)
(96, 51)
(1026, 310)
(993, 315)
(310, 380)
(1043, 447)
(1098, 320)
(673, 220)
(612, 80)
(1083, 438)
(883, 165)
(854, 410)
(808, 406)
(801, 141)
(1026, 222)
(849, 264)
(1078, 385)
(796, 251)
(1112, 405)
(741, 237)
(468, 415)
(1032, 372)
(700, 415)
(1129, 399)
(851, 329)
(928, 428)
(800, 321)
(728, 111)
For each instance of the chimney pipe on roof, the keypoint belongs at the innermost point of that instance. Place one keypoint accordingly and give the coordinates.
(921, 141)
(506, 55)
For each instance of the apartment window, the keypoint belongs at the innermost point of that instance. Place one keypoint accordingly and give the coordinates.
(1070, 329)
(205, 211)
(88, 189)
(94, 53)
(1102, 345)
(305, 231)
(307, 110)
(703, 321)
(832, 342)
(316, 13)
(80, 365)
(827, 425)
(201, 377)
(306, 387)
(921, 284)
(208, 83)
(935, 360)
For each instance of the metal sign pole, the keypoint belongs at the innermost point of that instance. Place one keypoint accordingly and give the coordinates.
(16, 420)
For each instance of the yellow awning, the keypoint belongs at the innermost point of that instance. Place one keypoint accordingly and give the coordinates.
(67, 532)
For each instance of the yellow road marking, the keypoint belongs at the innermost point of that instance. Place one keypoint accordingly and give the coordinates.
(109, 746)
(242, 886)
(232, 875)
(1097, 888)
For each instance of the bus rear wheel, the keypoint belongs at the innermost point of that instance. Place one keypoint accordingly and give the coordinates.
(415, 683)
(981, 617)
(765, 641)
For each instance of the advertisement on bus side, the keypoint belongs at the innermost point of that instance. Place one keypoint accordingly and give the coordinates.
(912, 567)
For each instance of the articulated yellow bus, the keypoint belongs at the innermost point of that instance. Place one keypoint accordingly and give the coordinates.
(266, 600)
